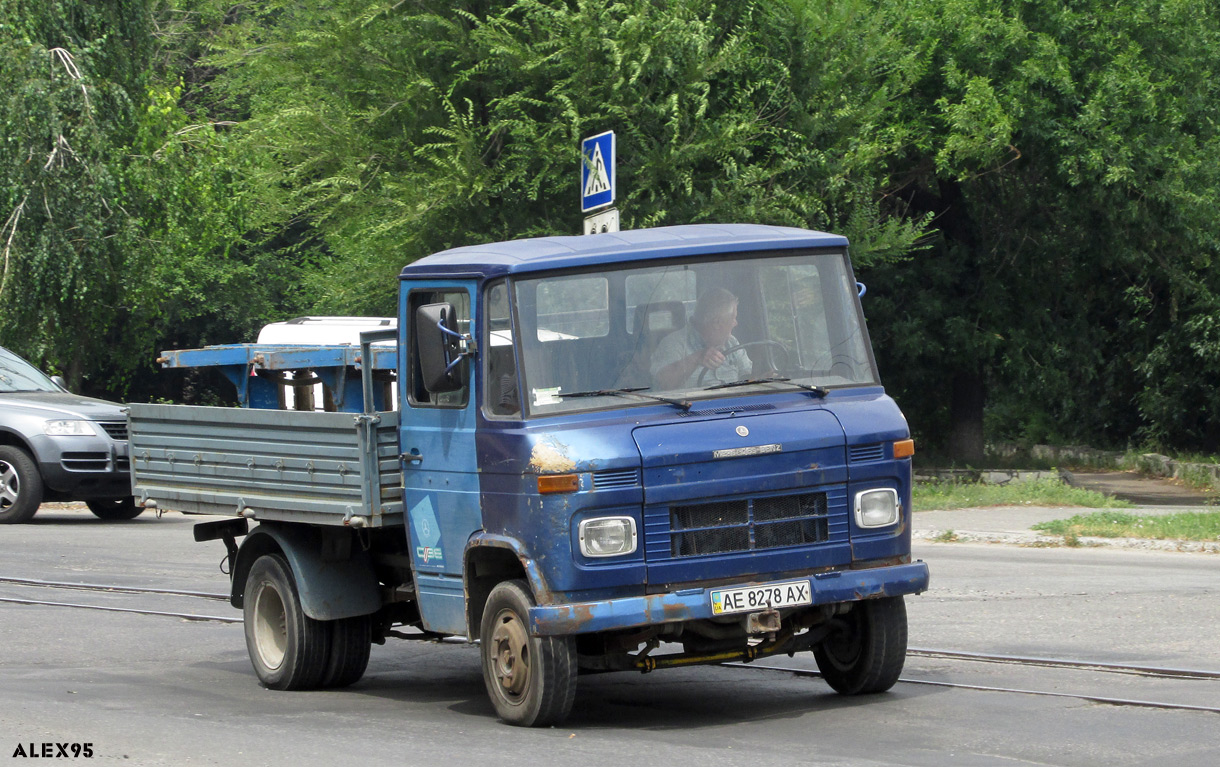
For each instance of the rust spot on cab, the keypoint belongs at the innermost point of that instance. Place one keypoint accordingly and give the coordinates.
(550, 457)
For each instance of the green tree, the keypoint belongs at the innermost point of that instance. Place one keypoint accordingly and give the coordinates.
(1066, 152)
(394, 130)
(70, 100)
(123, 219)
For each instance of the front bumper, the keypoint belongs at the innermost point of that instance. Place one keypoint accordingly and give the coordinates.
(81, 468)
(696, 604)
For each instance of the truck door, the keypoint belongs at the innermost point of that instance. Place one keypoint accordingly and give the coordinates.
(440, 480)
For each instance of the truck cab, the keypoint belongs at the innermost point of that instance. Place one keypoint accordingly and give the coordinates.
(626, 501)
(631, 451)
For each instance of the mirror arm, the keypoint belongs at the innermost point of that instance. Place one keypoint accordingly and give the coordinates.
(466, 345)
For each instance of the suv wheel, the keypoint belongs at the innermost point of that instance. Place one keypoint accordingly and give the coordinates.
(115, 508)
(20, 486)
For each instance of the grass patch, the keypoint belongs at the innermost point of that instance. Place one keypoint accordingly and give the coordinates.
(1185, 526)
(1036, 492)
(1198, 478)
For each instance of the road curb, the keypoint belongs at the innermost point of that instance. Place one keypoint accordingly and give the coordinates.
(1041, 540)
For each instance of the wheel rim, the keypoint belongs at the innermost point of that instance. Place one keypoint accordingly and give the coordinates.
(843, 648)
(510, 656)
(270, 628)
(10, 485)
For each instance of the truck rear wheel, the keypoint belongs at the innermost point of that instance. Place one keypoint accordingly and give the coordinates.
(288, 649)
(351, 639)
(868, 654)
(531, 680)
(20, 486)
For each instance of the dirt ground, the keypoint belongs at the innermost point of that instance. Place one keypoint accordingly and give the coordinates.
(1140, 490)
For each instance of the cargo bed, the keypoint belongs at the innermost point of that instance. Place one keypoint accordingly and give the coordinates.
(320, 468)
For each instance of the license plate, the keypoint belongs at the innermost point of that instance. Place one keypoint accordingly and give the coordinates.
(773, 595)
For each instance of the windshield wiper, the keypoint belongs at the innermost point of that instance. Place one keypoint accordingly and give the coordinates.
(818, 390)
(633, 391)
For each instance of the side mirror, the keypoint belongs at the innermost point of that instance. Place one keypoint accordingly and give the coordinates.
(440, 348)
(60, 382)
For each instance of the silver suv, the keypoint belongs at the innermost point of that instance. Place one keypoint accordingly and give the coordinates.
(58, 446)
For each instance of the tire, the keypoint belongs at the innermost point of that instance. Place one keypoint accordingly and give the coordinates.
(350, 642)
(20, 486)
(867, 657)
(288, 649)
(113, 509)
(531, 680)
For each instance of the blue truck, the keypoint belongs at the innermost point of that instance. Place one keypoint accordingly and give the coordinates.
(629, 451)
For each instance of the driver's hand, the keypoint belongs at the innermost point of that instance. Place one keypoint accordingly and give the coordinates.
(711, 359)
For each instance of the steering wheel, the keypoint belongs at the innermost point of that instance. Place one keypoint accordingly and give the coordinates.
(787, 355)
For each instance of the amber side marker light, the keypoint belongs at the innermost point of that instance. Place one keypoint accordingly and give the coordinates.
(558, 483)
(904, 448)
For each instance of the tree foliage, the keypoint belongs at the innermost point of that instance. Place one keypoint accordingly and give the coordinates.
(1029, 187)
(1065, 150)
(67, 106)
(121, 231)
(399, 129)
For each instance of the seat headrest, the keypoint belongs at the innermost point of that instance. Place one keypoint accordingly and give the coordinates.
(666, 316)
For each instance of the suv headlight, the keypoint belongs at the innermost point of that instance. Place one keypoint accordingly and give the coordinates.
(607, 536)
(877, 508)
(69, 429)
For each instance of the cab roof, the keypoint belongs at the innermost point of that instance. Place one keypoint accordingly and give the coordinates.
(545, 253)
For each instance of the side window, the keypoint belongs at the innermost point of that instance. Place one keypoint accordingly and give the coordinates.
(417, 394)
(500, 396)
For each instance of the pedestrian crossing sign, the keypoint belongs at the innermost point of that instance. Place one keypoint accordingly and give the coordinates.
(597, 171)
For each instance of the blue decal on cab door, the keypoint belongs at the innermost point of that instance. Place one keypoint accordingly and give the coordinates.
(427, 532)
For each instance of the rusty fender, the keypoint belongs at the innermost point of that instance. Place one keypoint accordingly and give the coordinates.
(696, 604)
(533, 575)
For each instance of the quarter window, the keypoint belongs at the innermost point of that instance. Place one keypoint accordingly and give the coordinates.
(418, 395)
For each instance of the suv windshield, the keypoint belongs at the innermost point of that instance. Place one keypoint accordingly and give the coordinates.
(684, 331)
(18, 375)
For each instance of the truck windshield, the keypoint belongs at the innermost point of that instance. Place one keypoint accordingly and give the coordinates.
(680, 331)
(18, 375)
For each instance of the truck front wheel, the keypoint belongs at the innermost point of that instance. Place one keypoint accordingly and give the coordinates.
(867, 655)
(531, 680)
(288, 649)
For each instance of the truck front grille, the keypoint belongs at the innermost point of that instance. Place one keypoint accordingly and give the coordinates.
(748, 524)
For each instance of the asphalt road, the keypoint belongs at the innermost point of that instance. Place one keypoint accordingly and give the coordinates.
(150, 689)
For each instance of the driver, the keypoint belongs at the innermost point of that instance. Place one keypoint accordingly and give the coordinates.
(681, 355)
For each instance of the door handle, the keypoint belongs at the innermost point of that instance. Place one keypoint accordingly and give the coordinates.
(412, 457)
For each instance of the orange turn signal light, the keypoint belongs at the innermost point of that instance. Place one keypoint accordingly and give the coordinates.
(904, 448)
(558, 483)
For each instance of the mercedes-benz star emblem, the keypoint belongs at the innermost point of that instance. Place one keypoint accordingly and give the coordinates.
(743, 431)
